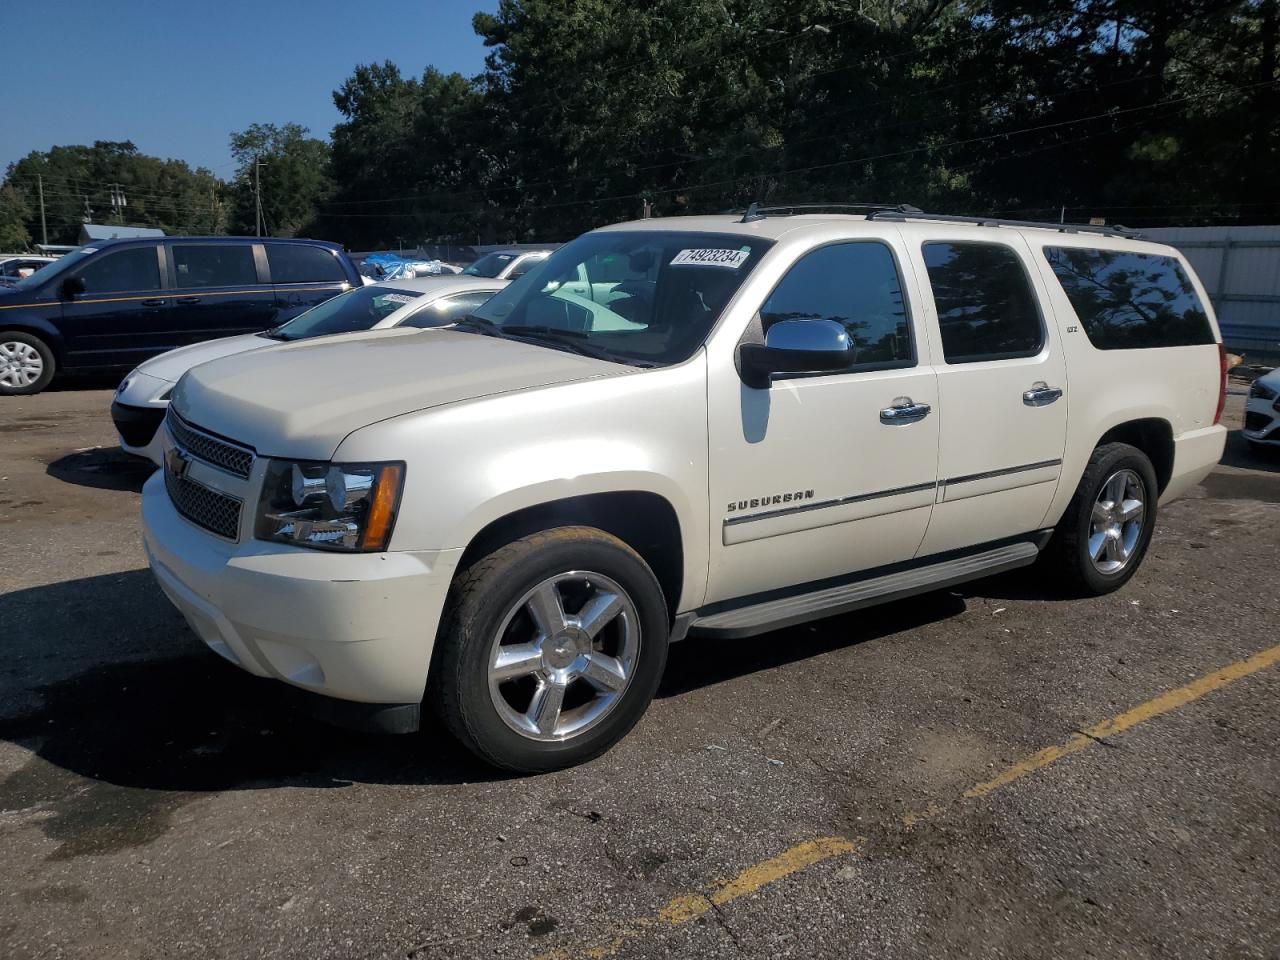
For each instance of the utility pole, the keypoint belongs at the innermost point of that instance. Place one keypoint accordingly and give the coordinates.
(118, 201)
(44, 228)
(257, 195)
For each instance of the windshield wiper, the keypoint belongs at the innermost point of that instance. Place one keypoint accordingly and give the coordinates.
(275, 333)
(487, 327)
(574, 340)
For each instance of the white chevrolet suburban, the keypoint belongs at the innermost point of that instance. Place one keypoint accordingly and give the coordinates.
(705, 426)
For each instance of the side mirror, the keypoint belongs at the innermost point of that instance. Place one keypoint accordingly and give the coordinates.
(71, 288)
(796, 346)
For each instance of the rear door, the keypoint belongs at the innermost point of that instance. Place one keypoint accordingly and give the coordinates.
(218, 291)
(121, 317)
(1001, 382)
(302, 276)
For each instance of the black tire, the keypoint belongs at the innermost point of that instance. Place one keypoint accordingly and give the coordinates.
(46, 357)
(1067, 556)
(481, 598)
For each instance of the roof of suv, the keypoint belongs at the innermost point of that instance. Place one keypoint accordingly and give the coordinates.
(133, 241)
(774, 227)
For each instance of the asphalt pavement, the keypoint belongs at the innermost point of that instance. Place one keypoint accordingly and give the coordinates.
(990, 771)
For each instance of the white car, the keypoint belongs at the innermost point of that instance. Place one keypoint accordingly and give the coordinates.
(15, 267)
(680, 428)
(506, 264)
(143, 396)
(1262, 412)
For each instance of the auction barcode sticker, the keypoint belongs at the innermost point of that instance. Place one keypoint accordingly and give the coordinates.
(732, 259)
(397, 298)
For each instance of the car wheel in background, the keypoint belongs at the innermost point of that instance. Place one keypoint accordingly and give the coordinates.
(550, 649)
(26, 363)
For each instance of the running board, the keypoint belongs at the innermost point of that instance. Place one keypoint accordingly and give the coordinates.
(787, 611)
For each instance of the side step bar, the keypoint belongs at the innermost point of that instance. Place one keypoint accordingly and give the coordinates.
(784, 612)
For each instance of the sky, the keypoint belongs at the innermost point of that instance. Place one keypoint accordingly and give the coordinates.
(178, 76)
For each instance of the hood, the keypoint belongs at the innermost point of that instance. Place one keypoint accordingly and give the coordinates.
(301, 399)
(1271, 380)
(170, 366)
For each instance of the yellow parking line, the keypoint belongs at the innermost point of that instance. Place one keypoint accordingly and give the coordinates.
(690, 906)
(1170, 700)
(687, 907)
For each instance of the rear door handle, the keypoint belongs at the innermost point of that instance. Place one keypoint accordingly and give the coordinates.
(904, 410)
(187, 300)
(153, 303)
(1041, 394)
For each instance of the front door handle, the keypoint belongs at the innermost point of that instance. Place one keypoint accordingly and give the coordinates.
(1041, 394)
(187, 300)
(153, 302)
(904, 410)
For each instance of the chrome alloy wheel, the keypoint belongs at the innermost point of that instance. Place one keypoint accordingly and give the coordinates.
(1116, 524)
(564, 656)
(20, 364)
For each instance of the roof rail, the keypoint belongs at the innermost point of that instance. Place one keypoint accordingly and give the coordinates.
(902, 215)
(757, 212)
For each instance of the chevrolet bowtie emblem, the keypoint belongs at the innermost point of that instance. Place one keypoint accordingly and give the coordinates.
(178, 461)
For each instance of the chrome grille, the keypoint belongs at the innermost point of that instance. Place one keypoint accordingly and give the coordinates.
(223, 454)
(214, 511)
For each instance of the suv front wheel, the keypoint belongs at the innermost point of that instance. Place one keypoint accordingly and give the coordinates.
(1103, 536)
(550, 649)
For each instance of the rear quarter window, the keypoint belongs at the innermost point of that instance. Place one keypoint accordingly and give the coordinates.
(1129, 301)
(299, 263)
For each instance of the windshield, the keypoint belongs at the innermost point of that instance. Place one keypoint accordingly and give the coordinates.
(490, 265)
(649, 297)
(55, 269)
(354, 310)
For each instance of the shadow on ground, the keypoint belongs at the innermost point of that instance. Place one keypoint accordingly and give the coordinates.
(105, 468)
(1240, 453)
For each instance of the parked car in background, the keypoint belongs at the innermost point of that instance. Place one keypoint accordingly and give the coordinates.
(143, 396)
(702, 427)
(506, 264)
(15, 267)
(1262, 412)
(110, 305)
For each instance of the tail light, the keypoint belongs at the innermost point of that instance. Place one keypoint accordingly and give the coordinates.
(1222, 383)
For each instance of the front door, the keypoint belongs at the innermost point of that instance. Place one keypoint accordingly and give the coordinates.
(813, 477)
(1001, 381)
(120, 318)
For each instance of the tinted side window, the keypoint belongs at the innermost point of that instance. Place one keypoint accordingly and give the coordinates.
(448, 310)
(299, 263)
(135, 268)
(986, 308)
(855, 284)
(214, 265)
(1128, 300)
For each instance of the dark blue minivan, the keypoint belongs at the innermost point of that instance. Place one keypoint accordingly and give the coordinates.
(110, 305)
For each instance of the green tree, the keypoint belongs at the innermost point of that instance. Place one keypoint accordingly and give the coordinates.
(79, 182)
(14, 237)
(292, 170)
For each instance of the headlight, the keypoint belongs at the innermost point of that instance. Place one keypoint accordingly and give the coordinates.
(1261, 390)
(330, 506)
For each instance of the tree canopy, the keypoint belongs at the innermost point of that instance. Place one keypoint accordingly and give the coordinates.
(590, 111)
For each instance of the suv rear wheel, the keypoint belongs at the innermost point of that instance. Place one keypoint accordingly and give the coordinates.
(1103, 536)
(550, 649)
(26, 363)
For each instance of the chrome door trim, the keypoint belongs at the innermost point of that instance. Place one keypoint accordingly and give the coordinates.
(825, 504)
(968, 478)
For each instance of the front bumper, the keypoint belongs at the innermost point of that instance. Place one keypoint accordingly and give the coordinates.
(138, 410)
(1262, 420)
(352, 626)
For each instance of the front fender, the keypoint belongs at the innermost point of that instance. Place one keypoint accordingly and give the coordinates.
(472, 463)
(39, 320)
